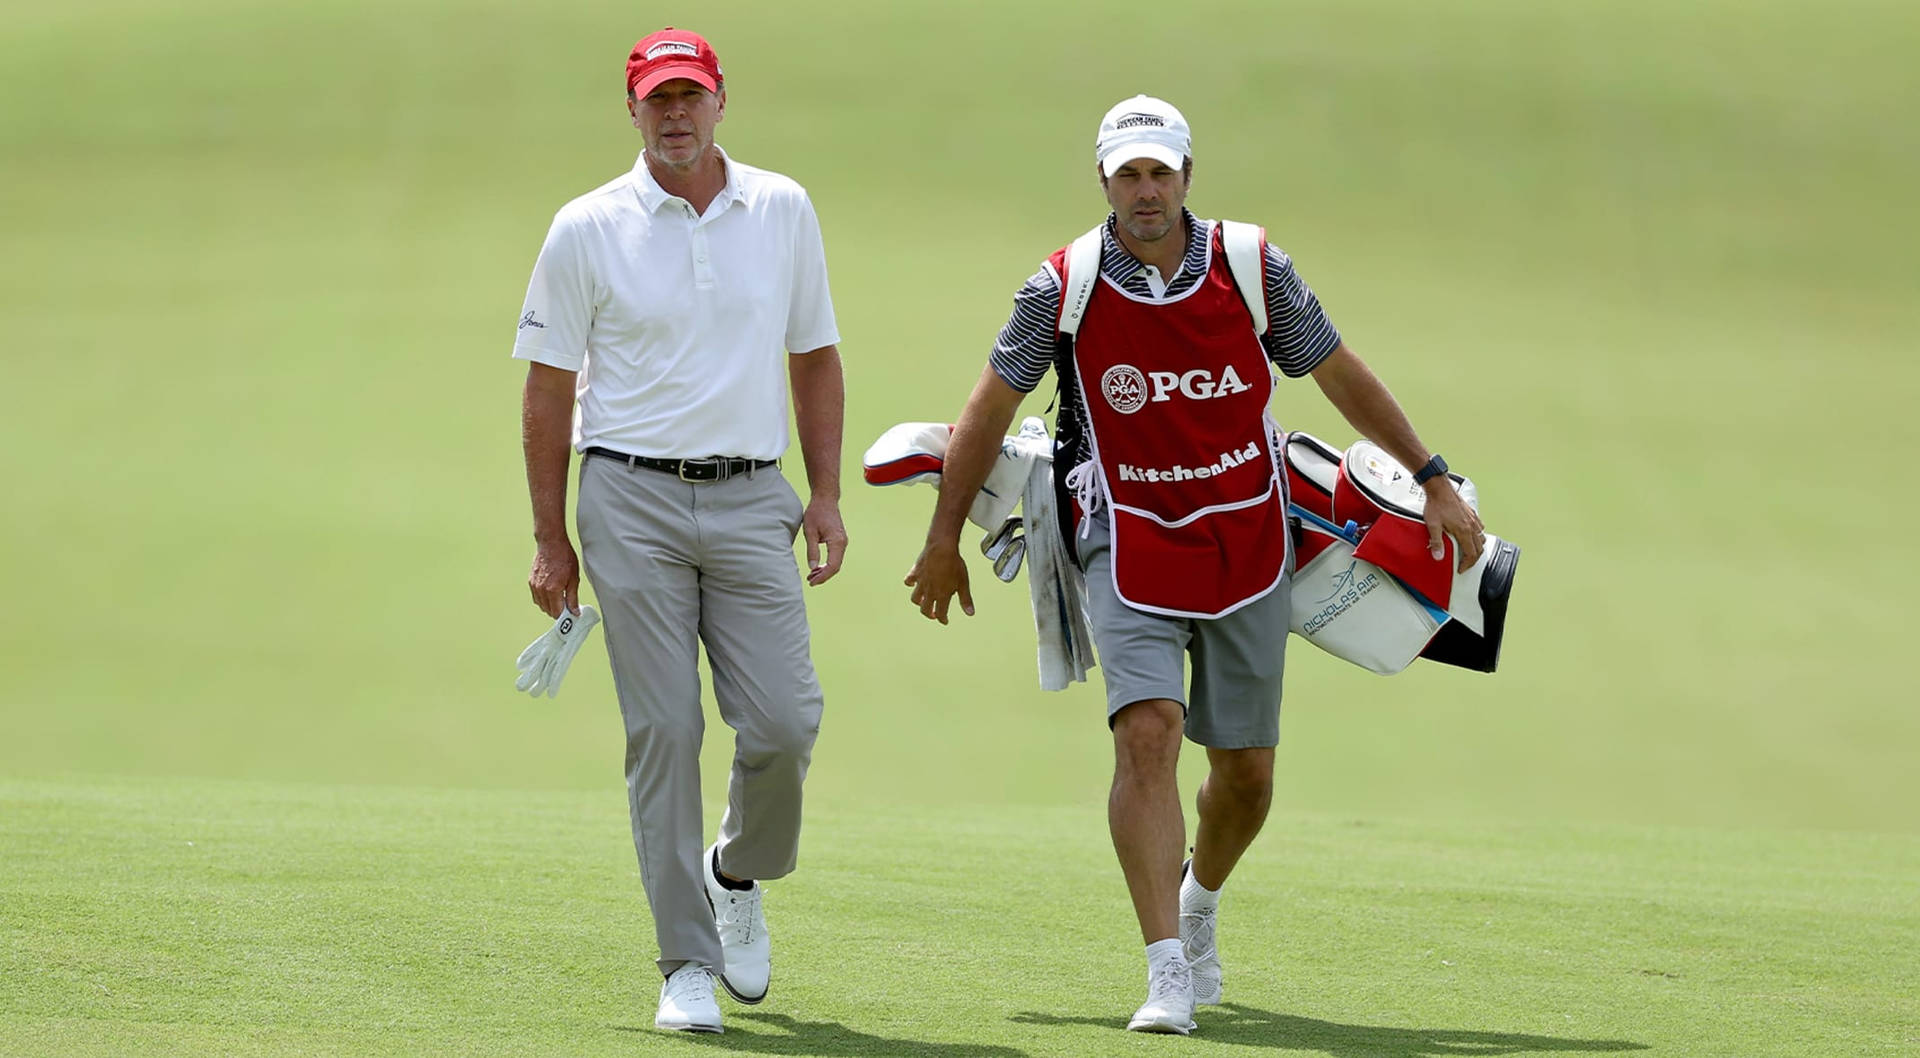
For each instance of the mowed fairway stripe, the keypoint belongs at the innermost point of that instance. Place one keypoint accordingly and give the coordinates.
(238, 918)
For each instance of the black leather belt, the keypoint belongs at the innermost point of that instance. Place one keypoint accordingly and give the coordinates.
(716, 468)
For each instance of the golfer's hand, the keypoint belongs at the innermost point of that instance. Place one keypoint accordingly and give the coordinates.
(1448, 513)
(936, 576)
(555, 580)
(544, 663)
(821, 524)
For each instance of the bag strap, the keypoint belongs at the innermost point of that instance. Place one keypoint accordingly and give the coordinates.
(1246, 246)
(1083, 270)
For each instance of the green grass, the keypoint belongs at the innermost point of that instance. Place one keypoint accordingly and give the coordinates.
(253, 918)
(1643, 270)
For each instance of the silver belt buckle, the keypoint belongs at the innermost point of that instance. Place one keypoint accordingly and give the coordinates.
(721, 471)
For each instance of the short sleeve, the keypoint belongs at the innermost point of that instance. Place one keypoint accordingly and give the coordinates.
(1299, 334)
(1023, 352)
(810, 322)
(558, 312)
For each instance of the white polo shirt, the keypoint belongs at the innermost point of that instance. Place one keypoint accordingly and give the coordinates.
(679, 323)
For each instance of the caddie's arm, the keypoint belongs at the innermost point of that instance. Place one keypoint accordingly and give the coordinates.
(820, 412)
(939, 572)
(1364, 400)
(546, 435)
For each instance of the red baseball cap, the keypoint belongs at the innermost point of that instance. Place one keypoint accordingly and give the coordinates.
(668, 54)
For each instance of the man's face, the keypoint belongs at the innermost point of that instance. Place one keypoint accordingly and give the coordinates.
(1147, 196)
(676, 121)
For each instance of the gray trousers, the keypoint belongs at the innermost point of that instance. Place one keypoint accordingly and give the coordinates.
(674, 565)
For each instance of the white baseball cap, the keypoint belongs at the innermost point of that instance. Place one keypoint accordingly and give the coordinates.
(1143, 127)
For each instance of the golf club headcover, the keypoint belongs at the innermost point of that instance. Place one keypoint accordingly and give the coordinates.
(544, 663)
(916, 452)
(1379, 494)
(908, 454)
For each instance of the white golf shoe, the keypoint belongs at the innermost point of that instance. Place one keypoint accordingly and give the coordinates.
(744, 943)
(687, 1003)
(1196, 940)
(1169, 1005)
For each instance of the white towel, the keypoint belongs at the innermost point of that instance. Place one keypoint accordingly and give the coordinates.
(1054, 582)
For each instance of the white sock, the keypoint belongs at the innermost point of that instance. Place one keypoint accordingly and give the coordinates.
(1161, 952)
(1197, 896)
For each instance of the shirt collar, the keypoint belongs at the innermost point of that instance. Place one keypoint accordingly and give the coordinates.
(653, 196)
(1116, 262)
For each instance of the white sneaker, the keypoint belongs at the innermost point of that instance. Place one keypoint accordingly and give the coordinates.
(743, 935)
(687, 1003)
(1196, 939)
(1169, 1005)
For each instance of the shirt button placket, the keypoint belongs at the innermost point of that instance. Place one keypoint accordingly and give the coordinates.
(702, 265)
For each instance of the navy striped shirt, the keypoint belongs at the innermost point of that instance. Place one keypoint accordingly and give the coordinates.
(1299, 335)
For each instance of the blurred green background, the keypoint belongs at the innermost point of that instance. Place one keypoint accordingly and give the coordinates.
(1644, 271)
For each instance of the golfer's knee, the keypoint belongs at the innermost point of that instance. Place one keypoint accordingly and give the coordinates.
(786, 735)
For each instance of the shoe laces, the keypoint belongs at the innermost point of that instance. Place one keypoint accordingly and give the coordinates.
(693, 985)
(740, 913)
(1169, 979)
(1197, 927)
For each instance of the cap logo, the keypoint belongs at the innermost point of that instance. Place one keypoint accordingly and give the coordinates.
(671, 47)
(1134, 120)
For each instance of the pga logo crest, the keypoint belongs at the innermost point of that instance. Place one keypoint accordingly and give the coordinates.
(1128, 389)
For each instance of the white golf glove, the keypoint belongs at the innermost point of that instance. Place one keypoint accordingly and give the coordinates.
(544, 663)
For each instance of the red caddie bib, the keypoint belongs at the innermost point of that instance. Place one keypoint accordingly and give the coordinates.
(1176, 397)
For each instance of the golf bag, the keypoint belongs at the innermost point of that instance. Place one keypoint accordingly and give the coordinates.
(1365, 587)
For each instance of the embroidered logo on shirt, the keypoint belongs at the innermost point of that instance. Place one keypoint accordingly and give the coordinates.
(528, 321)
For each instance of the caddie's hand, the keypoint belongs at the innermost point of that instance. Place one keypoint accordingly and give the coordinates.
(937, 574)
(555, 580)
(1448, 513)
(822, 525)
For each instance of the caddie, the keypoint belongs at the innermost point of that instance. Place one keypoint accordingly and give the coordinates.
(1164, 438)
(674, 307)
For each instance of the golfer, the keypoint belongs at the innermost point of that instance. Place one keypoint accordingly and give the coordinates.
(672, 308)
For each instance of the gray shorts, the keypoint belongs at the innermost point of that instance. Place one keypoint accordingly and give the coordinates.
(1238, 660)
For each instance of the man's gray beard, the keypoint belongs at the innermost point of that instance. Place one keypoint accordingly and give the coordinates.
(687, 166)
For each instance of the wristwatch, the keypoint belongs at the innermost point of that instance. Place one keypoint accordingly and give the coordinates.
(1434, 468)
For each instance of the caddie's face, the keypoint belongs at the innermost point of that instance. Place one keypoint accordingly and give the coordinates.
(1147, 196)
(676, 121)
